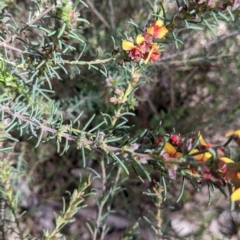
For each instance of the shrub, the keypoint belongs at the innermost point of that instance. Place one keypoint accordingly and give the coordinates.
(105, 117)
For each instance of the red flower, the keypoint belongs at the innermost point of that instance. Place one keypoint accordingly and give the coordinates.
(174, 138)
(135, 52)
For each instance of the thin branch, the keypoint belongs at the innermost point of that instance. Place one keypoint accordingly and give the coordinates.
(5, 44)
(97, 13)
(2, 217)
(102, 203)
(143, 158)
(194, 49)
(112, 14)
(40, 16)
(194, 60)
(93, 62)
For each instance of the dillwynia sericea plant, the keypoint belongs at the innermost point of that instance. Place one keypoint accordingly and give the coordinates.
(44, 43)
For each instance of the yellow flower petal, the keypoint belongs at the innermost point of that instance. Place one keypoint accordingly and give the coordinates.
(159, 23)
(236, 132)
(201, 140)
(236, 195)
(155, 46)
(150, 30)
(207, 155)
(149, 55)
(127, 45)
(157, 29)
(169, 148)
(140, 39)
(202, 157)
(194, 150)
(226, 160)
(199, 157)
(162, 33)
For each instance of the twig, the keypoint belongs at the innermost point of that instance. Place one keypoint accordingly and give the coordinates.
(5, 44)
(41, 15)
(98, 14)
(102, 203)
(112, 14)
(93, 62)
(143, 158)
(194, 60)
(193, 49)
(158, 189)
(2, 218)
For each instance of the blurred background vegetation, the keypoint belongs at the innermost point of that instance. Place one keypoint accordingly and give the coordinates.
(193, 87)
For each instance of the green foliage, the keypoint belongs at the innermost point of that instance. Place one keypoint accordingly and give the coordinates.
(73, 102)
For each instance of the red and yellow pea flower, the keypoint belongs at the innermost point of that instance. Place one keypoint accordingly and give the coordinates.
(170, 151)
(224, 170)
(235, 135)
(231, 171)
(235, 196)
(203, 145)
(144, 47)
(223, 163)
(201, 157)
(135, 53)
(157, 29)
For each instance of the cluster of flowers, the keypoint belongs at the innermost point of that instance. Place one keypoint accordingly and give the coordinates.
(144, 47)
(176, 146)
(219, 171)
